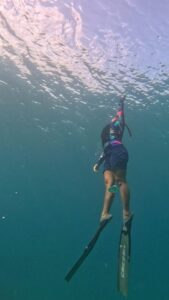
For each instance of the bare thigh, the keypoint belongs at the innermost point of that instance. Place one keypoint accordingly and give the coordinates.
(109, 178)
(119, 176)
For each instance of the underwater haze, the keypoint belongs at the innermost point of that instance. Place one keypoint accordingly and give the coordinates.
(63, 66)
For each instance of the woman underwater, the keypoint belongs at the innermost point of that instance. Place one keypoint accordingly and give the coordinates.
(115, 158)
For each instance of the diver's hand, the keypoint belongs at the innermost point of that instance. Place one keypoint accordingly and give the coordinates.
(96, 168)
(122, 98)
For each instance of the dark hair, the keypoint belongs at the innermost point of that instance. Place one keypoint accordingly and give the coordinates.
(105, 134)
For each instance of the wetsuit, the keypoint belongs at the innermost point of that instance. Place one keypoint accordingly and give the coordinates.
(115, 155)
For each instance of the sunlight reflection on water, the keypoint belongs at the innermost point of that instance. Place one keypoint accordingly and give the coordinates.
(103, 48)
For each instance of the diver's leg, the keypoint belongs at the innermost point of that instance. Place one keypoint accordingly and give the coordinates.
(120, 177)
(108, 196)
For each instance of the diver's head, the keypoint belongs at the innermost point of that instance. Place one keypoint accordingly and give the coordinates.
(105, 134)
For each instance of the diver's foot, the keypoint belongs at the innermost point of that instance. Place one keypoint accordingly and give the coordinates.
(105, 218)
(127, 220)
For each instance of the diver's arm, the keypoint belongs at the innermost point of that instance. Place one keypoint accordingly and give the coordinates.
(100, 160)
(119, 120)
(120, 112)
(121, 104)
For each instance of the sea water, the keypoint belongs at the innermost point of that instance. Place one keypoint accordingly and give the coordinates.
(63, 67)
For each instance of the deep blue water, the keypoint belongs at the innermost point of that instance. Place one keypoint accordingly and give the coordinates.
(63, 65)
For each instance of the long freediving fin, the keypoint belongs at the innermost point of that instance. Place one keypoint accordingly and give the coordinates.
(86, 251)
(124, 258)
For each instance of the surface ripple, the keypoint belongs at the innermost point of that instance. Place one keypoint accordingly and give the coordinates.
(104, 48)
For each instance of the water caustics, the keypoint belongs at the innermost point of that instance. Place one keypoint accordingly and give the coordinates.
(106, 47)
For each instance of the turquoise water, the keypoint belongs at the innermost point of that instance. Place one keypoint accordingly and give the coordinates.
(63, 66)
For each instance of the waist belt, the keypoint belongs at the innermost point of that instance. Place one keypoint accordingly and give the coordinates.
(113, 143)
